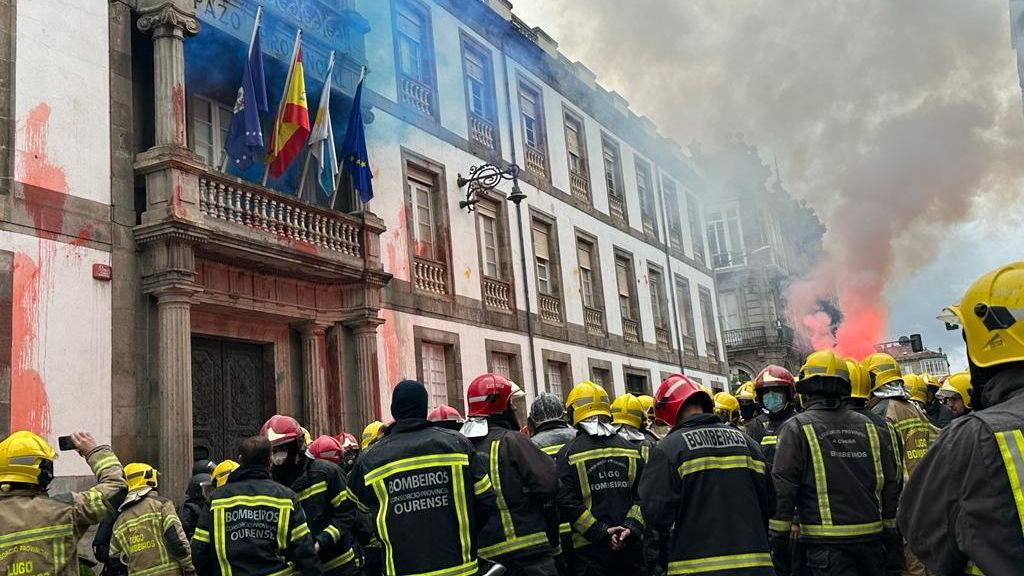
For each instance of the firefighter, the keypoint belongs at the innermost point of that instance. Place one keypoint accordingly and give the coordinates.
(685, 479)
(349, 451)
(523, 477)
(628, 414)
(892, 401)
(938, 413)
(321, 488)
(727, 408)
(963, 509)
(647, 402)
(253, 525)
(446, 417)
(148, 537)
(40, 533)
(860, 391)
(326, 448)
(599, 473)
(194, 502)
(222, 473)
(745, 396)
(916, 389)
(955, 394)
(374, 431)
(427, 489)
(547, 420)
(831, 468)
(775, 392)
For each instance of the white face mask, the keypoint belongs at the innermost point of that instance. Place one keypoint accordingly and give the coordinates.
(278, 458)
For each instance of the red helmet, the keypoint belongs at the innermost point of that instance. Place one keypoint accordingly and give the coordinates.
(347, 441)
(775, 377)
(282, 429)
(326, 448)
(444, 414)
(673, 393)
(489, 394)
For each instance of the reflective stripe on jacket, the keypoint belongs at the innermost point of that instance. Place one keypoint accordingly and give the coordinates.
(40, 533)
(916, 431)
(330, 515)
(149, 539)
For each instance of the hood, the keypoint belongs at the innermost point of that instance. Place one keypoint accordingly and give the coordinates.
(475, 427)
(135, 496)
(894, 389)
(598, 425)
(631, 434)
(552, 425)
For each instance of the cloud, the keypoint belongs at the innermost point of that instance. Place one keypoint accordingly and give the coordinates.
(899, 122)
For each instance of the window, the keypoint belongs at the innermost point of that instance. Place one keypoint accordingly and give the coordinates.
(613, 178)
(487, 221)
(725, 238)
(435, 373)
(685, 305)
(730, 310)
(643, 185)
(421, 189)
(624, 282)
(210, 123)
(555, 374)
(502, 364)
(574, 144)
(654, 282)
(529, 110)
(480, 104)
(707, 313)
(636, 383)
(542, 257)
(675, 226)
(602, 377)
(412, 43)
(585, 256)
(693, 216)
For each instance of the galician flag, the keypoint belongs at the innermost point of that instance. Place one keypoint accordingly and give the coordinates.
(321, 140)
(292, 125)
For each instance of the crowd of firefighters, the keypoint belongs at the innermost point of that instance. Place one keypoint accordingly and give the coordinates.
(849, 467)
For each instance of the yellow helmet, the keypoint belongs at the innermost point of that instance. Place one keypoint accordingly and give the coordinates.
(26, 458)
(140, 475)
(727, 407)
(917, 387)
(647, 401)
(371, 434)
(746, 391)
(824, 372)
(222, 471)
(627, 409)
(587, 399)
(860, 386)
(958, 384)
(991, 314)
(882, 369)
(930, 381)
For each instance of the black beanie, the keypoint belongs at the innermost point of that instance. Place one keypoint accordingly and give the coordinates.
(409, 400)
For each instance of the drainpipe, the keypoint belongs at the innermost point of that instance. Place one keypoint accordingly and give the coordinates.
(519, 228)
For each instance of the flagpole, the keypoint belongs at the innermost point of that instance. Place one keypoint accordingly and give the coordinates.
(341, 161)
(309, 142)
(280, 105)
(252, 39)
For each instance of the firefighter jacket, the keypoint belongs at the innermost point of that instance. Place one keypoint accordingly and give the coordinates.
(895, 440)
(552, 435)
(765, 430)
(149, 539)
(833, 466)
(253, 525)
(599, 477)
(962, 511)
(915, 429)
(429, 494)
(524, 482)
(938, 414)
(330, 515)
(40, 533)
(702, 473)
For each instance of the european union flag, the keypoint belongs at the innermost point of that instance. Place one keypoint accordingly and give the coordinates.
(354, 159)
(244, 142)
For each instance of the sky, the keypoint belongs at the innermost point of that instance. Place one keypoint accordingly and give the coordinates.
(899, 122)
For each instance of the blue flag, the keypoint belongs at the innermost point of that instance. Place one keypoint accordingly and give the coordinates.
(354, 159)
(244, 142)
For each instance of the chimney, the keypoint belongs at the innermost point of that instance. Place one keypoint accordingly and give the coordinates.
(546, 43)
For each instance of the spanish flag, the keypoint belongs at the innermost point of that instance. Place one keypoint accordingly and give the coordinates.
(292, 125)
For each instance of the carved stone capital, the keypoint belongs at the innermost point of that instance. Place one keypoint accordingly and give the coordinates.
(175, 293)
(312, 329)
(168, 18)
(364, 323)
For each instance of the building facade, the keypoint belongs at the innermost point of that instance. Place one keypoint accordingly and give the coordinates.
(170, 305)
(926, 361)
(759, 240)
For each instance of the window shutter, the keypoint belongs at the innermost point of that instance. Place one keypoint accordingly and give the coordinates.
(487, 209)
(622, 277)
(583, 253)
(541, 248)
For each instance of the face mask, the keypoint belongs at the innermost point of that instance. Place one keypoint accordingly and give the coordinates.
(278, 458)
(773, 401)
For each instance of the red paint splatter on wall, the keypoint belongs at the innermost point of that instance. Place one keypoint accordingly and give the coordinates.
(30, 408)
(178, 105)
(390, 345)
(45, 185)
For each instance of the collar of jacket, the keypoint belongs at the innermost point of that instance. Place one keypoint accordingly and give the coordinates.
(824, 403)
(31, 492)
(1004, 385)
(781, 415)
(249, 473)
(694, 420)
(551, 425)
(408, 425)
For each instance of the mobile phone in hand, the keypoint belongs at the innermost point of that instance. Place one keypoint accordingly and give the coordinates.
(66, 443)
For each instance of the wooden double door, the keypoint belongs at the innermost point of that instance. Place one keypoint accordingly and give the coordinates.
(232, 394)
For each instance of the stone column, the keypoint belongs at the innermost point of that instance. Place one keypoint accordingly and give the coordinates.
(174, 328)
(367, 381)
(314, 378)
(169, 21)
